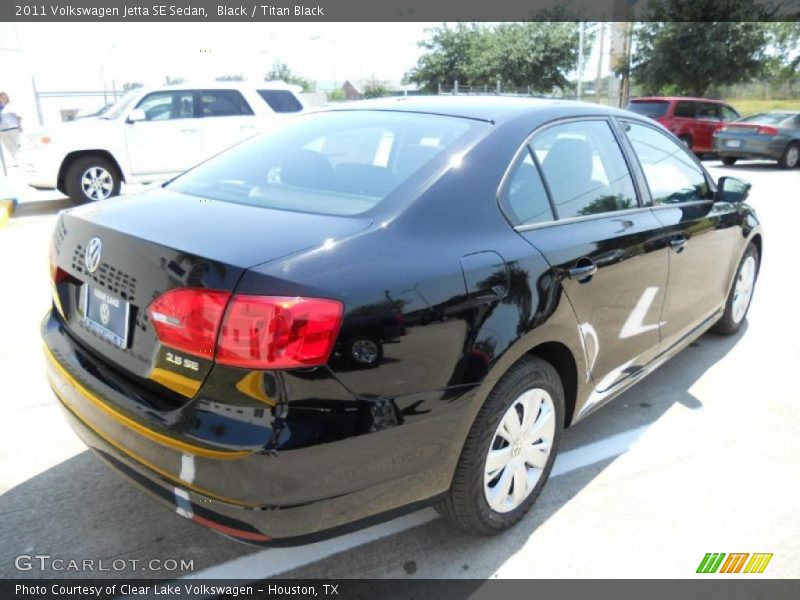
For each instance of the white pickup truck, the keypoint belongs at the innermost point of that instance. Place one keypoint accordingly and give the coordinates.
(152, 134)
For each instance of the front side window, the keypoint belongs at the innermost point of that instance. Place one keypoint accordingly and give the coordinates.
(163, 106)
(584, 169)
(525, 198)
(728, 114)
(336, 163)
(223, 103)
(671, 172)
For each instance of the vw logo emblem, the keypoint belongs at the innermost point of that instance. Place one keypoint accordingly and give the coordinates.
(105, 314)
(91, 257)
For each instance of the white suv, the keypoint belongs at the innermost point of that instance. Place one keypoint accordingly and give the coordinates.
(152, 135)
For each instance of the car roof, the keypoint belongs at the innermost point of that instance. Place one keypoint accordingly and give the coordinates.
(222, 85)
(493, 109)
(676, 98)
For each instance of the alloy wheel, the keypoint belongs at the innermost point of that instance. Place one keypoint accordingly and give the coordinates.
(97, 183)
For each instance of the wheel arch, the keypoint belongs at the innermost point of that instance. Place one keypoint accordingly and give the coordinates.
(73, 156)
(560, 356)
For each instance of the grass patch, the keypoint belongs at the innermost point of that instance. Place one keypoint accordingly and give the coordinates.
(751, 107)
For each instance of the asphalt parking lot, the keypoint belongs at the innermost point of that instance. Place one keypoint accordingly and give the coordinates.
(700, 457)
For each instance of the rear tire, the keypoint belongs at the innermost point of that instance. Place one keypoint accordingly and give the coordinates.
(92, 178)
(790, 157)
(530, 388)
(741, 293)
(729, 161)
(687, 141)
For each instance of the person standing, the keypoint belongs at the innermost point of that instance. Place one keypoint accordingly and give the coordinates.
(10, 126)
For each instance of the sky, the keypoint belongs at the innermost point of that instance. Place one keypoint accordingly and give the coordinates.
(103, 56)
(84, 55)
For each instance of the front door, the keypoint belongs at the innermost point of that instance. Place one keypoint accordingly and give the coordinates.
(169, 140)
(608, 251)
(701, 233)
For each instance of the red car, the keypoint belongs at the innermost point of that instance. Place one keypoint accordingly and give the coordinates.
(693, 120)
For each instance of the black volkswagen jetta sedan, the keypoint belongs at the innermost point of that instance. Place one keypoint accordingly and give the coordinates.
(522, 263)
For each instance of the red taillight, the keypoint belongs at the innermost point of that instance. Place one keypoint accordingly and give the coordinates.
(57, 274)
(188, 319)
(257, 332)
(270, 332)
(767, 130)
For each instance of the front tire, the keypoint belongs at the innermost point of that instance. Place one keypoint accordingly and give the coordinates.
(91, 179)
(509, 452)
(790, 157)
(741, 293)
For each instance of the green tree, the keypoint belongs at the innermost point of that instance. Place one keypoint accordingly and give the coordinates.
(451, 54)
(374, 88)
(174, 80)
(236, 77)
(683, 50)
(535, 54)
(131, 85)
(784, 63)
(281, 72)
(538, 54)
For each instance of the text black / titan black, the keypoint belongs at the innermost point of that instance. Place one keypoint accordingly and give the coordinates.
(387, 304)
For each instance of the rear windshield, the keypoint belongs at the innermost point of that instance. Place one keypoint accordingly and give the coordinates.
(768, 119)
(281, 101)
(333, 163)
(649, 108)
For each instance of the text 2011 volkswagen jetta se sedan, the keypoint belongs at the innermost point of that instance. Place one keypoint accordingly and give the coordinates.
(385, 305)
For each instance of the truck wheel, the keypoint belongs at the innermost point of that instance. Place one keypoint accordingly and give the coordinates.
(92, 178)
(729, 161)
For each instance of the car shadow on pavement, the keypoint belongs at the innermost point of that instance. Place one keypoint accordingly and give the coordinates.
(80, 509)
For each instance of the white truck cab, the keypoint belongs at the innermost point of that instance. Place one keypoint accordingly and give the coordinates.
(152, 134)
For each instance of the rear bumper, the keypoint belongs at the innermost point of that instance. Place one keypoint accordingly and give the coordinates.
(286, 497)
(750, 148)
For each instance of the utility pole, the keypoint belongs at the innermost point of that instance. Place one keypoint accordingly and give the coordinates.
(580, 60)
(599, 79)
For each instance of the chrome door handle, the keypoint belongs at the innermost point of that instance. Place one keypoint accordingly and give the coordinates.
(582, 273)
(678, 243)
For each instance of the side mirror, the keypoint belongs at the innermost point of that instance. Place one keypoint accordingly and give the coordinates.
(732, 189)
(137, 114)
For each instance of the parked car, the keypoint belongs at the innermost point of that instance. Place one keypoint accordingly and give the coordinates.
(151, 134)
(693, 120)
(772, 135)
(544, 256)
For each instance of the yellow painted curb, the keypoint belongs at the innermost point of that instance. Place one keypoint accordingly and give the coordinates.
(7, 206)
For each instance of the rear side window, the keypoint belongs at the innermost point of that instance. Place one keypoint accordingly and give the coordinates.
(281, 101)
(649, 108)
(671, 173)
(525, 198)
(223, 103)
(584, 169)
(685, 110)
(335, 163)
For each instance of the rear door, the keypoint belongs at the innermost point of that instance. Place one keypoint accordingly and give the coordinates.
(169, 139)
(226, 118)
(607, 250)
(701, 232)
